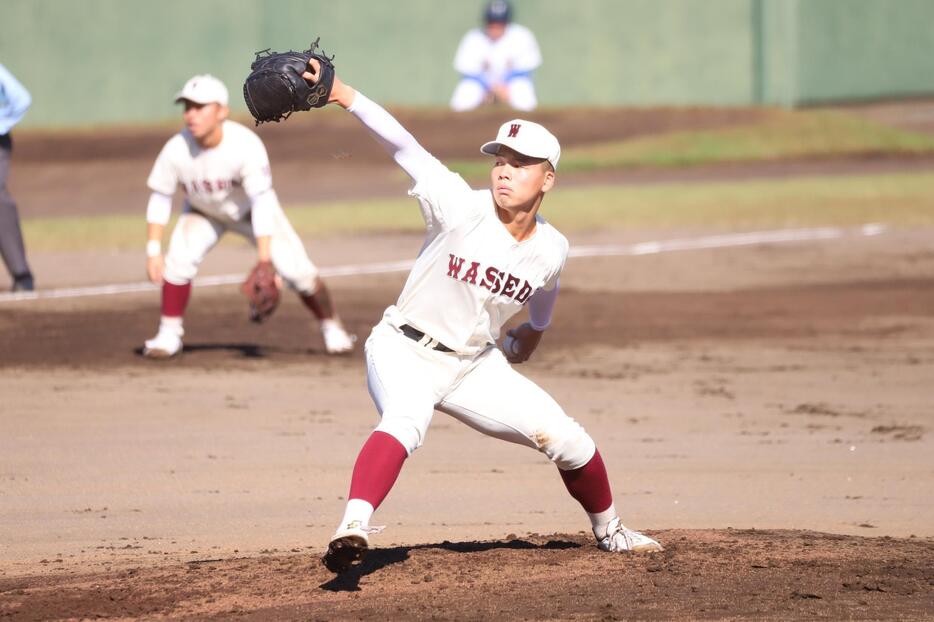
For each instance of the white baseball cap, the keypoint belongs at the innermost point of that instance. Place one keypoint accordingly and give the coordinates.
(203, 89)
(528, 138)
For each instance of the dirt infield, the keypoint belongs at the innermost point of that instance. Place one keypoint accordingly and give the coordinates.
(764, 411)
(775, 387)
(762, 575)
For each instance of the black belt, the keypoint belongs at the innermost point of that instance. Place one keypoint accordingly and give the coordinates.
(416, 335)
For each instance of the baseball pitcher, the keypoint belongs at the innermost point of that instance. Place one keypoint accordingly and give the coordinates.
(487, 255)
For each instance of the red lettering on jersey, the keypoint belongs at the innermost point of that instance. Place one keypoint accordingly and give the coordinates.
(206, 185)
(492, 280)
(510, 288)
(489, 277)
(454, 265)
(514, 130)
(471, 276)
(497, 279)
(524, 293)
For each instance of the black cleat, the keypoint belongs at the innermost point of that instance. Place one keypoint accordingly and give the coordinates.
(23, 283)
(344, 551)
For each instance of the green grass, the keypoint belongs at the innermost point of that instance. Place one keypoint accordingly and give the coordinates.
(105, 232)
(899, 199)
(786, 134)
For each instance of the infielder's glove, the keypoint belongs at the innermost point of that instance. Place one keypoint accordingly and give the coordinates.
(261, 290)
(275, 87)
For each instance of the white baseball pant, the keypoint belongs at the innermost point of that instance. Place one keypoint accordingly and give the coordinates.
(408, 382)
(195, 234)
(469, 94)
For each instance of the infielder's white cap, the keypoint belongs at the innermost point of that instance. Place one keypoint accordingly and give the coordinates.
(203, 89)
(528, 138)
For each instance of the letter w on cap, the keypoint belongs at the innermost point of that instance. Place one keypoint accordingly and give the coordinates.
(514, 130)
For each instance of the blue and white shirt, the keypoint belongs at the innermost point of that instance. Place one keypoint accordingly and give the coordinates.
(515, 54)
(14, 101)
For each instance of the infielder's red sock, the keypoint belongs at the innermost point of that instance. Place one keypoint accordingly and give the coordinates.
(319, 303)
(590, 485)
(378, 465)
(175, 299)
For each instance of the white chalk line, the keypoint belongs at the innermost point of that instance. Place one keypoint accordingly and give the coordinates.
(728, 240)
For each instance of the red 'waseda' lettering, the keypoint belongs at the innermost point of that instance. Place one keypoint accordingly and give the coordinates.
(492, 280)
(471, 275)
(454, 265)
(510, 287)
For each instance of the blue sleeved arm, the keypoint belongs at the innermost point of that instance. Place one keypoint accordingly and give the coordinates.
(512, 75)
(14, 100)
(478, 79)
(541, 306)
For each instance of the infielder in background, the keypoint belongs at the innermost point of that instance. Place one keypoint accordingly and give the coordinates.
(224, 171)
(487, 254)
(14, 102)
(496, 63)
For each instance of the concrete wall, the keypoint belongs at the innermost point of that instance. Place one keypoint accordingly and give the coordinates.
(858, 49)
(90, 62)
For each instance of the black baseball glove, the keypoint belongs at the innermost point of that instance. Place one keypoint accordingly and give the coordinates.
(275, 87)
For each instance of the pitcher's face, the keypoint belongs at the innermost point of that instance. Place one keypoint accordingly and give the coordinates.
(516, 180)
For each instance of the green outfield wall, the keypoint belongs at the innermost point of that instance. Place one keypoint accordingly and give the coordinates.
(90, 62)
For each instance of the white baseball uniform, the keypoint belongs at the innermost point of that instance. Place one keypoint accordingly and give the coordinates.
(470, 277)
(483, 62)
(227, 187)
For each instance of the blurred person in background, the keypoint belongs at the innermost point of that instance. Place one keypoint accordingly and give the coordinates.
(223, 169)
(496, 62)
(14, 102)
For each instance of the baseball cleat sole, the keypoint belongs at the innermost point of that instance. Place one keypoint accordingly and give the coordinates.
(344, 552)
(156, 353)
(653, 547)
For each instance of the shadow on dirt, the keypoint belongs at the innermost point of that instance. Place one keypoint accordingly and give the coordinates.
(245, 350)
(375, 560)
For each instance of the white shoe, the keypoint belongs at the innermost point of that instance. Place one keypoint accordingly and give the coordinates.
(165, 344)
(619, 538)
(348, 546)
(336, 339)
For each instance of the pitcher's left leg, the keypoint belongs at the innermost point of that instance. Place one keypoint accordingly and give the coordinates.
(499, 401)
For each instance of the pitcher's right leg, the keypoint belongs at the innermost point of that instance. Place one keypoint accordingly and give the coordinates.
(405, 382)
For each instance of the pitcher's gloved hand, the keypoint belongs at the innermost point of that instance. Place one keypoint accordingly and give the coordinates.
(275, 87)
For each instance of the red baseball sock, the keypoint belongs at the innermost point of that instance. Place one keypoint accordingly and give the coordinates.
(590, 485)
(319, 303)
(378, 465)
(175, 299)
